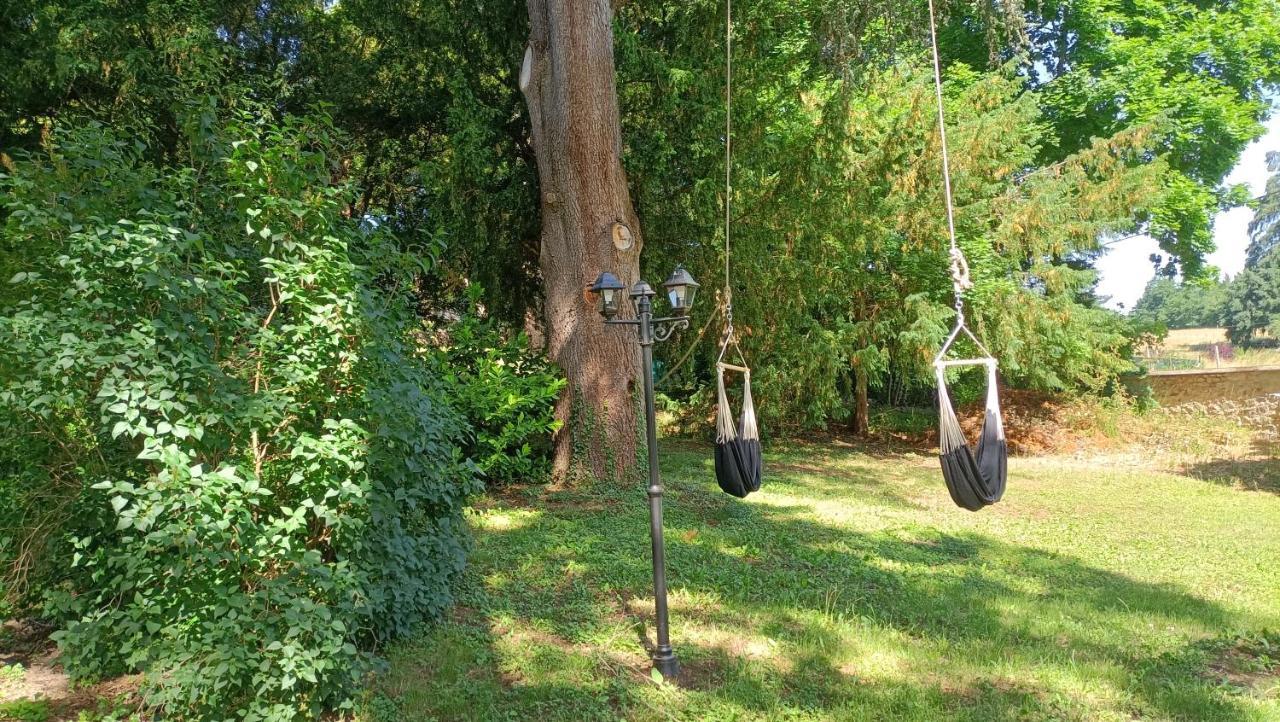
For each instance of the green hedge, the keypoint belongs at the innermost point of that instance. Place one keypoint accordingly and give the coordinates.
(224, 459)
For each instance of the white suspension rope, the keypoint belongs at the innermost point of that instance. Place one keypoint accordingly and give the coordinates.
(960, 280)
(942, 130)
(950, 435)
(749, 429)
(993, 400)
(728, 146)
(728, 336)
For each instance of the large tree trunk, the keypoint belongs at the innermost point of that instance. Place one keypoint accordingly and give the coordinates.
(862, 414)
(568, 82)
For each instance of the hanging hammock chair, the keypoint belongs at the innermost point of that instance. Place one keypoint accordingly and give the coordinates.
(738, 461)
(975, 477)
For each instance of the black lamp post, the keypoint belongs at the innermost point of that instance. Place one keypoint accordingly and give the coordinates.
(681, 289)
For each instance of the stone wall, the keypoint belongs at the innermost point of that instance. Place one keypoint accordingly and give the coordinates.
(1173, 388)
(1262, 414)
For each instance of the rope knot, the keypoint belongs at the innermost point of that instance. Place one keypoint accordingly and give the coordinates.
(960, 271)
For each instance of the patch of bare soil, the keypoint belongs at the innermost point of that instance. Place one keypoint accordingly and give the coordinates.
(37, 675)
(1035, 424)
(1250, 665)
(30, 661)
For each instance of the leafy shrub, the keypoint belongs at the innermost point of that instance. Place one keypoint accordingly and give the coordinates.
(507, 392)
(25, 710)
(209, 377)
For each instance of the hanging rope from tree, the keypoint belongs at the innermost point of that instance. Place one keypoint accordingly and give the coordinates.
(975, 477)
(738, 460)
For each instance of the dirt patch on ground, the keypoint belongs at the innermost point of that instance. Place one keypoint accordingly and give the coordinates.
(1249, 664)
(28, 663)
(1035, 424)
(29, 670)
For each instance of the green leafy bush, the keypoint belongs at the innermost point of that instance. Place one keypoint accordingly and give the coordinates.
(216, 418)
(25, 710)
(507, 392)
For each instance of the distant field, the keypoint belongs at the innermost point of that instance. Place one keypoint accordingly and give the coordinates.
(1193, 348)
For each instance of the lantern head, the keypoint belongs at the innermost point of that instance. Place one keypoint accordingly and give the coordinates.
(609, 289)
(681, 289)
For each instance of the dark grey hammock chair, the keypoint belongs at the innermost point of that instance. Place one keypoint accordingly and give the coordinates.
(975, 477)
(738, 464)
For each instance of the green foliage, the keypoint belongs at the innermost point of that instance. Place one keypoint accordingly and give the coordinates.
(209, 372)
(1264, 229)
(1195, 73)
(1132, 116)
(428, 92)
(12, 672)
(1253, 302)
(839, 264)
(25, 710)
(1253, 297)
(1188, 304)
(128, 62)
(508, 394)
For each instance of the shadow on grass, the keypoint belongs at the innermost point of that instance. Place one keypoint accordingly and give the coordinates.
(1259, 472)
(557, 581)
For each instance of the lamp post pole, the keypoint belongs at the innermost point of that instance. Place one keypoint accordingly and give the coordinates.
(664, 657)
(681, 290)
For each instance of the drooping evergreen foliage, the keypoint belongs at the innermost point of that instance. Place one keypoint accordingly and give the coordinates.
(1253, 302)
(839, 253)
(440, 139)
(1264, 229)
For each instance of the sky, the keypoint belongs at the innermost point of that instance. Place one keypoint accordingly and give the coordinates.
(1126, 268)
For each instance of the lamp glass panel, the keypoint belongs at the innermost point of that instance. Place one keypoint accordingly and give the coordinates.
(689, 292)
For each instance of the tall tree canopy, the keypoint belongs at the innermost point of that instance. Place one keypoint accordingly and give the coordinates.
(1196, 73)
(1181, 304)
(1264, 229)
(1136, 108)
(1253, 298)
(839, 255)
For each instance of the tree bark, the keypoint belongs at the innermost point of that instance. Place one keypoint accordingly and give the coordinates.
(862, 414)
(567, 78)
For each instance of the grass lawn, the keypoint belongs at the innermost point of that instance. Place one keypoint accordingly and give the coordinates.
(850, 588)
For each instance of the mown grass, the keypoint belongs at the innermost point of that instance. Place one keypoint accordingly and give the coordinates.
(850, 588)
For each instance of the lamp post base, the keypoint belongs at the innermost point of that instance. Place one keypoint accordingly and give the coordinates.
(666, 664)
